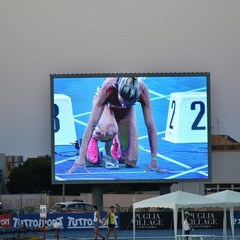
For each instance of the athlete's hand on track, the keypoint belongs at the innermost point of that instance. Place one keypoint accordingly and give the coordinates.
(154, 167)
(78, 163)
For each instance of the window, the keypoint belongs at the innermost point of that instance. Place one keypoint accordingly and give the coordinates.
(223, 187)
(218, 187)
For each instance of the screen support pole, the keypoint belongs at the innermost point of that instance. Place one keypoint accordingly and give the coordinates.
(63, 192)
(165, 188)
(97, 195)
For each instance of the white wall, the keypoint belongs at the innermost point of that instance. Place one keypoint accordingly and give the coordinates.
(40, 37)
(225, 167)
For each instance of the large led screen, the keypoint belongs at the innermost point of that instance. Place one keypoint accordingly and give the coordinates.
(130, 127)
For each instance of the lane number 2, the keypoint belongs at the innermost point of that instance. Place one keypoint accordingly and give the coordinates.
(193, 107)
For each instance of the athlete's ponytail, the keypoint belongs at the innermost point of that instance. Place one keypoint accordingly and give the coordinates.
(128, 88)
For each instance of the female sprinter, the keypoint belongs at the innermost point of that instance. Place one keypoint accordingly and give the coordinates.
(113, 121)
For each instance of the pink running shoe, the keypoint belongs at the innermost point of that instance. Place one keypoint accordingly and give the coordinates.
(115, 150)
(92, 150)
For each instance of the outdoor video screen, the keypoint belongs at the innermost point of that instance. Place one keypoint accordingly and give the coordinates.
(130, 127)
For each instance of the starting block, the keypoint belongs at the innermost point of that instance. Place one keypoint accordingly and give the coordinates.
(64, 126)
(104, 161)
(187, 118)
(109, 162)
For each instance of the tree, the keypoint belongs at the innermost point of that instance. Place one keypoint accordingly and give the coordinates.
(32, 176)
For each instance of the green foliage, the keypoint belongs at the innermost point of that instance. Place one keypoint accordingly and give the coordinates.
(34, 176)
(31, 177)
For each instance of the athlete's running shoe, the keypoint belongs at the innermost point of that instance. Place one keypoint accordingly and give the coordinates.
(115, 150)
(92, 150)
